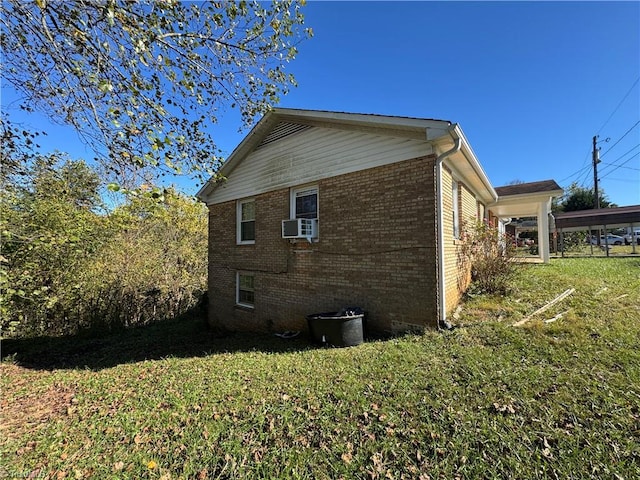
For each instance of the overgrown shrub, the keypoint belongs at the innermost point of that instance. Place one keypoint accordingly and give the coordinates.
(50, 228)
(573, 241)
(69, 264)
(490, 255)
(155, 266)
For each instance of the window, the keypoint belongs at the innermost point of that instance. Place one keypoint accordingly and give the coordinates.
(246, 221)
(245, 294)
(456, 212)
(304, 203)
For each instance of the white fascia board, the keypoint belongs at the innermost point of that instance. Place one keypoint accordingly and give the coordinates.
(473, 175)
(434, 128)
(361, 119)
(204, 191)
(527, 197)
(247, 144)
(533, 195)
(523, 205)
(475, 163)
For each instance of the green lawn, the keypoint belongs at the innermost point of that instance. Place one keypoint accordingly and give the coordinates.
(485, 400)
(585, 250)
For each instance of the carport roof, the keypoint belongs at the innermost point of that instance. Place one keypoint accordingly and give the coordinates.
(528, 188)
(524, 199)
(611, 217)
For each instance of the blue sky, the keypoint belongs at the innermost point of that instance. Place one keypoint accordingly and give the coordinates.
(530, 83)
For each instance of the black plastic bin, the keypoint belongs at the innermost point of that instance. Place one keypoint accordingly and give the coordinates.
(339, 329)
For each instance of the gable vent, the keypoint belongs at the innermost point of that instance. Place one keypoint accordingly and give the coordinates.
(282, 130)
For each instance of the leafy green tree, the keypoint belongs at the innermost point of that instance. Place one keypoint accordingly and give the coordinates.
(580, 198)
(68, 264)
(155, 264)
(143, 80)
(49, 228)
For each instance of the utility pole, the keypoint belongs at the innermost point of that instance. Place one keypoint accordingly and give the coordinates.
(596, 161)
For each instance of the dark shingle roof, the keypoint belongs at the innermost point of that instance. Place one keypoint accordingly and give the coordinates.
(526, 188)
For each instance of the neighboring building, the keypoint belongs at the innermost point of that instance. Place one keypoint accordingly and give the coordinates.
(377, 204)
(603, 219)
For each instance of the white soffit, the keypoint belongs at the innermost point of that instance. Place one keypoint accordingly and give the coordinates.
(522, 205)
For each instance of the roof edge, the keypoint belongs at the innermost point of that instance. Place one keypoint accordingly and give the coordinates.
(275, 115)
(474, 162)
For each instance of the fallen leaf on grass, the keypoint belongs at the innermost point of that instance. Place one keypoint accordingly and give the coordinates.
(506, 409)
(203, 474)
(22, 413)
(546, 451)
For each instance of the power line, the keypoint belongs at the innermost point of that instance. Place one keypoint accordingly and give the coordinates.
(620, 166)
(585, 176)
(613, 162)
(618, 141)
(627, 180)
(577, 172)
(619, 104)
(586, 158)
(583, 171)
(588, 154)
(628, 168)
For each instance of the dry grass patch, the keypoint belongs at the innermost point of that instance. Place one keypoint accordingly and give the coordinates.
(29, 400)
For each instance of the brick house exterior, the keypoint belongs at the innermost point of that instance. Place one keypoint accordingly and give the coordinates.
(387, 195)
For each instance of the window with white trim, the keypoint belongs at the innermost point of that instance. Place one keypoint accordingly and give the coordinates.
(304, 202)
(246, 221)
(245, 293)
(456, 213)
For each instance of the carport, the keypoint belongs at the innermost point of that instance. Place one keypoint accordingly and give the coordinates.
(531, 199)
(601, 218)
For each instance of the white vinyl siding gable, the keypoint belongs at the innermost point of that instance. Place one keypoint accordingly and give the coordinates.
(311, 155)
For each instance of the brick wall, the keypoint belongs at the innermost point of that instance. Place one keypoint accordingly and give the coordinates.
(376, 250)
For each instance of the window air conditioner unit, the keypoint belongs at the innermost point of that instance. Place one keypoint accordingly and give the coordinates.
(300, 228)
